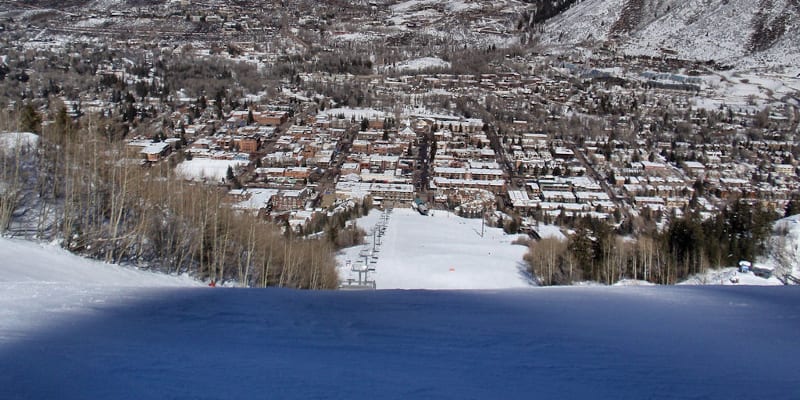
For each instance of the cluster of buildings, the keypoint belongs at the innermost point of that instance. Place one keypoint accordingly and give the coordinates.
(466, 164)
(544, 136)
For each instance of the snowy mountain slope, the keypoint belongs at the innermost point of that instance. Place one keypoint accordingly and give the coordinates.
(39, 283)
(439, 251)
(74, 329)
(587, 22)
(622, 343)
(729, 31)
(29, 262)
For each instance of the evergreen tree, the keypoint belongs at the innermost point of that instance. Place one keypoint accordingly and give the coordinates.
(62, 124)
(792, 208)
(580, 246)
(332, 233)
(686, 245)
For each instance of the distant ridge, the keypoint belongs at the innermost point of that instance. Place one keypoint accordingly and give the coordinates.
(765, 32)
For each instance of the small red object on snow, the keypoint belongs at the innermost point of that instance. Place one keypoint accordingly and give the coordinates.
(212, 284)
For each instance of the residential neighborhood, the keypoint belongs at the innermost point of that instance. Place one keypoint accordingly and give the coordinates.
(297, 115)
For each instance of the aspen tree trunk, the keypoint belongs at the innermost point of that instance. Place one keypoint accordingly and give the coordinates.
(251, 241)
(314, 279)
(284, 268)
(118, 186)
(93, 189)
(635, 262)
(215, 245)
(223, 254)
(70, 190)
(9, 196)
(265, 274)
(204, 220)
(43, 218)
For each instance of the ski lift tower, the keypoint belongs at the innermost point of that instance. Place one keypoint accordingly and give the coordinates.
(363, 276)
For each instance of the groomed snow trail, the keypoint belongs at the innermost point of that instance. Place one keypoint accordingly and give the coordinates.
(443, 251)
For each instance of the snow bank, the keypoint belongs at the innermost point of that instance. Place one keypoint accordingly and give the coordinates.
(11, 141)
(730, 276)
(43, 285)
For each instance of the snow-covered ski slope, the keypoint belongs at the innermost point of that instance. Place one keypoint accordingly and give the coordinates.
(24, 262)
(43, 286)
(577, 343)
(91, 337)
(438, 251)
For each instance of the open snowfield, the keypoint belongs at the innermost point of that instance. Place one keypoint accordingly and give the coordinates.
(439, 251)
(77, 329)
(419, 64)
(206, 169)
(13, 141)
(357, 113)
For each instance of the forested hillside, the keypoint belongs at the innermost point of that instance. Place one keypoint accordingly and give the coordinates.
(689, 245)
(80, 186)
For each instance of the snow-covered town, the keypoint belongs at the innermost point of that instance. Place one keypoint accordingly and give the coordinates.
(399, 199)
(302, 121)
(297, 116)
